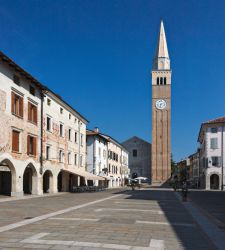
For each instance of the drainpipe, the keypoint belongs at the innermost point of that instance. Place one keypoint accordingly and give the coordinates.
(41, 153)
(94, 157)
(79, 163)
(222, 158)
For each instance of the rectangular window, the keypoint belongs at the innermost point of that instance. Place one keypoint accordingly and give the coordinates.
(16, 80)
(69, 158)
(61, 130)
(75, 159)
(32, 113)
(213, 143)
(69, 116)
(48, 102)
(81, 140)
(109, 168)
(32, 90)
(15, 141)
(61, 155)
(69, 134)
(215, 161)
(213, 130)
(61, 110)
(48, 152)
(134, 152)
(75, 137)
(31, 145)
(17, 104)
(49, 123)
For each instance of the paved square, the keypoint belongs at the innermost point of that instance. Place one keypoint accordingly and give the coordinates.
(141, 219)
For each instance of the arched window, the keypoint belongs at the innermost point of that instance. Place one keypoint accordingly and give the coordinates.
(164, 80)
(157, 80)
(161, 81)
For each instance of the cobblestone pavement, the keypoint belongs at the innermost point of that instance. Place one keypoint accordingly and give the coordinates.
(212, 204)
(116, 219)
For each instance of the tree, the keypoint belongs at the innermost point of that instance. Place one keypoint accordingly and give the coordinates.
(173, 166)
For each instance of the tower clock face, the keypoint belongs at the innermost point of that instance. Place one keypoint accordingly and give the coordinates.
(160, 104)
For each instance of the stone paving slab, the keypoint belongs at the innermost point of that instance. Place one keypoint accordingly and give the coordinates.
(114, 226)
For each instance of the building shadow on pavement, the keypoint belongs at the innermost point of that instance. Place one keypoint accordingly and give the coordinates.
(187, 233)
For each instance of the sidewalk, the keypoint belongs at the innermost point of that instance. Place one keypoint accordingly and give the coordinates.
(207, 223)
(4, 198)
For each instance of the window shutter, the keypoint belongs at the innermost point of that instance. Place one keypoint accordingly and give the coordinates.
(15, 141)
(12, 102)
(35, 114)
(213, 143)
(29, 111)
(34, 146)
(28, 144)
(21, 106)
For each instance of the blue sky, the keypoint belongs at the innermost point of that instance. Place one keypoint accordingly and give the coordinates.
(97, 54)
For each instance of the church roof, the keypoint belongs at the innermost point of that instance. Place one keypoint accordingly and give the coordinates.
(162, 50)
(135, 138)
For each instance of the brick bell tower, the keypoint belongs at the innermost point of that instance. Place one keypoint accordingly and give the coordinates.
(161, 110)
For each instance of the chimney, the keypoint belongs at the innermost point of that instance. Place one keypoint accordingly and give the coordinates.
(96, 129)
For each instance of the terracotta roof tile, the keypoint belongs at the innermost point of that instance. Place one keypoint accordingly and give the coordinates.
(217, 120)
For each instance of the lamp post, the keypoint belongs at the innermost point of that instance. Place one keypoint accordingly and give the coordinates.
(222, 159)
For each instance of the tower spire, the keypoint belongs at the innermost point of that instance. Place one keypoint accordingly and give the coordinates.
(161, 60)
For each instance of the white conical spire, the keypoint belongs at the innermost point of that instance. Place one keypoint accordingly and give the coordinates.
(161, 60)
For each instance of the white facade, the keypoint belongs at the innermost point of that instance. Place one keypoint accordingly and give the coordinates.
(97, 155)
(212, 154)
(106, 157)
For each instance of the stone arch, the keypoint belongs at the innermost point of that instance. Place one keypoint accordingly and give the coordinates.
(214, 181)
(30, 179)
(7, 177)
(47, 182)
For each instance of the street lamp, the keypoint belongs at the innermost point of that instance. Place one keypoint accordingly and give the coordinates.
(222, 159)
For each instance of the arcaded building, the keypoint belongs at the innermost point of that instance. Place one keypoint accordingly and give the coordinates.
(42, 137)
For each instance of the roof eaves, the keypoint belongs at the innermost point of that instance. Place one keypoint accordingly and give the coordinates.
(35, 81)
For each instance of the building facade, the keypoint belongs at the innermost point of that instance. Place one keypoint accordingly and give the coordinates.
(212, 154)
(97, 154)
(194, 171)
(107, 158)
(64, 145)
(139, 156)
(161, 109)
(42, 138)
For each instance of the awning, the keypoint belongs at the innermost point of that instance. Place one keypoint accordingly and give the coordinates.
(85, 174)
